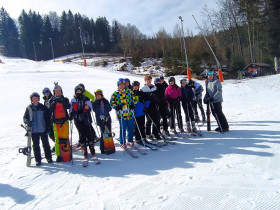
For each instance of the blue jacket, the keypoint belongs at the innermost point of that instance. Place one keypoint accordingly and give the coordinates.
(40, 118)
(141, 103)
(187, 94)
(101, 110)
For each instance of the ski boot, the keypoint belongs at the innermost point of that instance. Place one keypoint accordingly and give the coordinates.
(91, 148)
(193, 127)
(173, 130)
(166, 132)
(196, 118)
(189, 127)
(203, 119)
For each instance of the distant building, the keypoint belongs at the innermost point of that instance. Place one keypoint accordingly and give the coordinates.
(258, 69)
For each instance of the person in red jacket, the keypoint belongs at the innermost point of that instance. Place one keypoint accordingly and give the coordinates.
(173, 95)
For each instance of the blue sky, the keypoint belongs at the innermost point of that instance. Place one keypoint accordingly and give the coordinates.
(148, 15)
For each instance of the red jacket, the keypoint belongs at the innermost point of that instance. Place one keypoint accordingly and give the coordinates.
(173, 92)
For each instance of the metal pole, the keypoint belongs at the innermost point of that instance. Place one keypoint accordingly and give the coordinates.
(183, 37)
(218, 63)
(52, 47)
(82, 41)
(34, 52)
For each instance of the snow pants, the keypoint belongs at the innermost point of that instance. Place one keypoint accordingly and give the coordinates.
(219, 116)
(199, 104)
(153, 120)
(126, 125)
(175, 110)
(164, 114)
(140, 126)
(187, 107)
(36, 146)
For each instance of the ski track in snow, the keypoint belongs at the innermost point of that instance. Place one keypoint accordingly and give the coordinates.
(235, 170)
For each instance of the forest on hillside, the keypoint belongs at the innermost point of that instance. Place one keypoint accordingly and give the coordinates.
(239, 32)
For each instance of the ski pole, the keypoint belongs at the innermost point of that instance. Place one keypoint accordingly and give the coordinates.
(218, 121)
(138, 128)
(95, 123)
(122, 127)
(180, 124)
(155, 126)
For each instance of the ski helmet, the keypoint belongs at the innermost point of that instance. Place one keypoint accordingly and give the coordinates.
(57, 87)
(98, 92)
(127, 80)
(135, 83)
(35, 94)
(78, 87)
(156, 80)
(171, 79)
(210, 72)
(46, 90)
(121, 81)
(183, 80)
(82, 85)
(161, 78)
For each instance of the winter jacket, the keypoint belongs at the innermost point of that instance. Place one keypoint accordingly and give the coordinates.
(173, 92)
(125, 98)
(160, 92)
(140, 97)
(197, 89)
(101, 107)
(78, 109)
(48, 100)
(214, 90)
(55, 104)
(40, 118)
(151, 97)
(187, 94)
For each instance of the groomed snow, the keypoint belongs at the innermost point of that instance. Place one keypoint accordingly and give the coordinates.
(235, 170)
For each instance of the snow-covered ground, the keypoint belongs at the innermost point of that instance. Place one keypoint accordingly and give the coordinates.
(235, 170)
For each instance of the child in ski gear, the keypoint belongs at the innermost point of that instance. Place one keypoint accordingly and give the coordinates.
(163, 106)
(47, 98)
(197, 100)
(102, 108)
(123, 101)
(152, 113)
(187, 100)
(80, 111)
(92, 99)
(127, 84)
(162, 81)
(173, 95)
(139, 113)
(215, 98)
(40, 127)
(59, 117)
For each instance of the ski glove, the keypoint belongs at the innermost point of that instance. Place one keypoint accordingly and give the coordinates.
(131, 107)
(119, 107)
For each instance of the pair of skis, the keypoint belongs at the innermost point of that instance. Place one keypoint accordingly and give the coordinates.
(132, 154)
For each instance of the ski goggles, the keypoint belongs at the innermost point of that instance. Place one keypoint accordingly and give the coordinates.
(98, 93)
(210, 72)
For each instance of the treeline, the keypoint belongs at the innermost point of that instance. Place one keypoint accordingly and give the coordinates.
(239, 31)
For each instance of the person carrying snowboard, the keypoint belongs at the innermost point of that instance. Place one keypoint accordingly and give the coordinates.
(123, 101)
(187, 103)
(152, 112)
(80, 111)
(40, 126)
(197, 100)
(59, 117)
(215, 98)
(173, 95)
(102, 108)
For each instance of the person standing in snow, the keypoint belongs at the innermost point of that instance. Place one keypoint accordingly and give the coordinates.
(152, 112)
(173, 95)
(127, 84)
(162, 81)
(215, 98)
(187, 103)
(197, 99)
(40, 125)
(163, 105)
(102, 108)
(123, 101)
(80, 111)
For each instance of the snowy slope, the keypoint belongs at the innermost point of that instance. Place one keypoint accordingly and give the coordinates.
(235, 170)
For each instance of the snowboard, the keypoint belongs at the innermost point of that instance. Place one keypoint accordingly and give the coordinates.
(61, 134)
(109, 146)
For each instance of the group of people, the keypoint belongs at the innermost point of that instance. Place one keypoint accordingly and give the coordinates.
(146, 112)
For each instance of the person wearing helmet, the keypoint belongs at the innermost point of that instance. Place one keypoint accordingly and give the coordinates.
(173, 95)
(59, 117)
(214, 97)
(187, 103)
(197, 100)
(152, 115)
(80, 111)
(123, 101)
(102, 108)
(40, 126)
(87, 93)
(127, 84)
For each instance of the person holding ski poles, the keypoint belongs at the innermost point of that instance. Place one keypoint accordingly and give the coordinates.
(80, 111)
(215, 98)
(123, 101)
(152, 111)
(187, 103)
(197, 100)
(102, 108)
(173, 95)
(163, 105)
(37, 116)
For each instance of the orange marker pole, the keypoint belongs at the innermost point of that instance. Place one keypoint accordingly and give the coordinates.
(220, 73)
(189, 74)
(85, 62)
